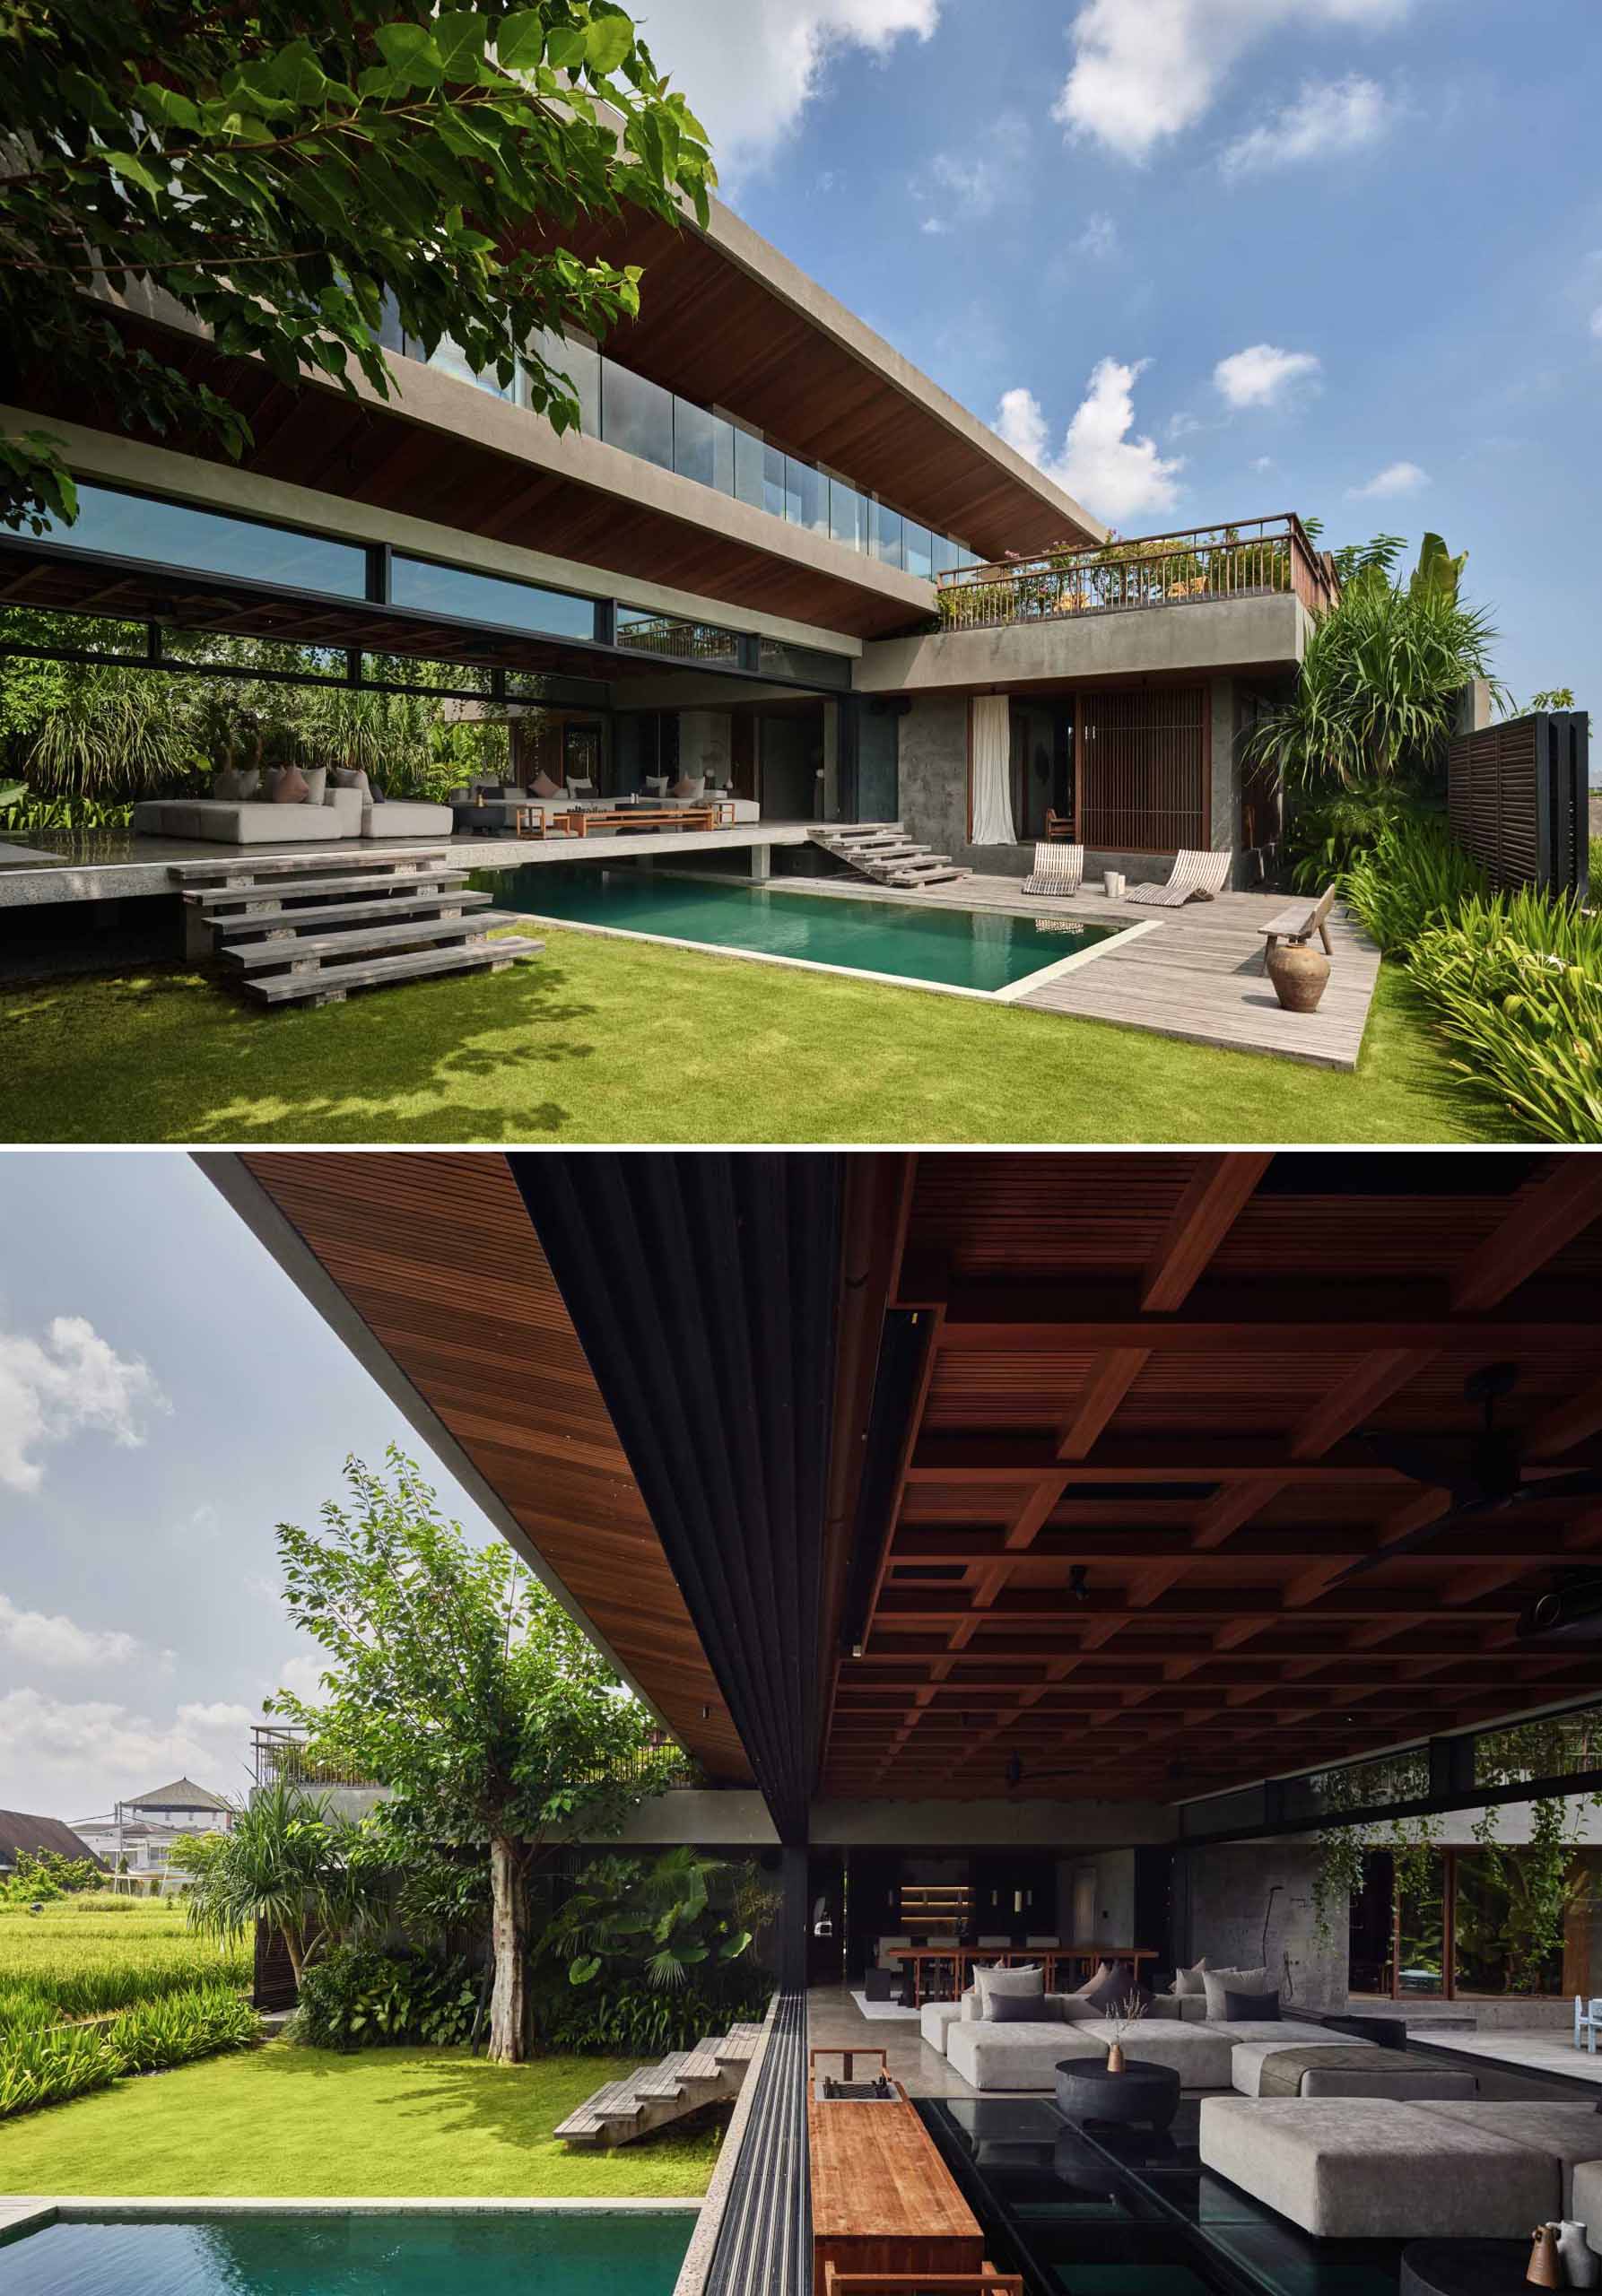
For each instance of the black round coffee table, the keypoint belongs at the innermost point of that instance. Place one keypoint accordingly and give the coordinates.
(1464, 2268)
(1087, 2091)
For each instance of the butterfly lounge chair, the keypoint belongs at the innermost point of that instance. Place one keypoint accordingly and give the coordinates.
(1059, 870)
(1195, 876)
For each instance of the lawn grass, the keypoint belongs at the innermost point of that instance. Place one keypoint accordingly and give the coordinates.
(609, 1040)
(282, 2122)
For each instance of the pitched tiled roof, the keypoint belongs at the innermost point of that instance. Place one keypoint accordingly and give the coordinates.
(183, 1793)
(21, 1833)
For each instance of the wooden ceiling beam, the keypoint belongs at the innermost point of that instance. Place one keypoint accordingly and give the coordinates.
(1277, 1549)
(1547, 1216)
(1070, 1320)
(1217, 1192)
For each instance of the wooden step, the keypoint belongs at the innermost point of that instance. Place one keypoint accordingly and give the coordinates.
(294, 923)
(296, 865)
(215, 897)
(928, 877)
(590, 2117)
(740, 2046)
(415, 934)
(330, 985)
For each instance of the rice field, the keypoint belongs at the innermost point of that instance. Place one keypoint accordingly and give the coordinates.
(83, 1957)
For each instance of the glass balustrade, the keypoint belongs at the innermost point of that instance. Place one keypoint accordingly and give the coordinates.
(629, 412)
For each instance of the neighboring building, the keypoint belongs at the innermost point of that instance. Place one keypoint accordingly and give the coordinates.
(775, 554)
(138, 1837)
(22, 1835)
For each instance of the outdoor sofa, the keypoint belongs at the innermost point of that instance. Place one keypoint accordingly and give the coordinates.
(1374, 2169)
(329, 813)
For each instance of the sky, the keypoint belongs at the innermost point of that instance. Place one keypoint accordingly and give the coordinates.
(1210, 259)
(166, 1396)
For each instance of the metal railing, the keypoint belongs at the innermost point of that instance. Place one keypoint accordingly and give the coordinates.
(1252, 558)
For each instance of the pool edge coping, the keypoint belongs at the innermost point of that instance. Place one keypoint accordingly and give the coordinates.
(87, 2207)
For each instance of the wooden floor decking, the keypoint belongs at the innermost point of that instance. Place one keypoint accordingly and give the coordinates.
(1196, 974)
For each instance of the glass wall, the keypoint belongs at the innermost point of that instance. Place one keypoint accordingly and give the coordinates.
(466, 596)
(642, 418)
(212, 541)
(1465, 1922)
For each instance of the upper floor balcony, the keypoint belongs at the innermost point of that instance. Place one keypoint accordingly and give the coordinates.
(1252, 558)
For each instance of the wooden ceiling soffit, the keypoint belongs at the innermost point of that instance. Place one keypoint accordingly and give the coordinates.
(1172, 1414)
(429, 1268)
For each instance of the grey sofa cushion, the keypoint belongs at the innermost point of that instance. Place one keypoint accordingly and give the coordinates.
(1588, 2201)
(1367, 2169)
(1016, 2056)
(1016, 2008)
(1190, 1981)
(1027, 1984)
(1216, 1983)
(1565, 2133)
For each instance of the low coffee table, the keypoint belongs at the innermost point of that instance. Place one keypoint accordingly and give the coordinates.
(1142, 2091)
(1464, 2268)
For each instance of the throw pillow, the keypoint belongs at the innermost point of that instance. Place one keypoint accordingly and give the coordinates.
(1113, 1982)
(544, 786)
(1016, 1984)
(226, 786)
(347, 777)
(379, 797)
(317, 784)
(656, 783)
(249, 782)
(288, 788)
(578, 787)
(1215, 1983)
(1251, 2009)
(1190, 1980)
(1016, 2009)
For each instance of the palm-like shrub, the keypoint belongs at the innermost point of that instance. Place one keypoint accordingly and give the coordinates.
(111, 736)
(287, 1863)
(1380, 679)
(1413, 875)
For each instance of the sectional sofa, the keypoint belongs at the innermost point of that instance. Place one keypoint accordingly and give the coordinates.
(255, 820)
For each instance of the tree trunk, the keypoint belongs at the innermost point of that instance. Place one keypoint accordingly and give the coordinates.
(509, 1928)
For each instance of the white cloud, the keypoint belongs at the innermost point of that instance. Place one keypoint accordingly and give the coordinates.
(968, 187)
(1145, 70)
(41, 1639)
(748, 68)
(1262, 462)
(1262, 374)
(302, 1676)
(73, 1757)
(73, 1379)
(1099, 239)
(1114, 476)
(1396, 478)
(1329, 119)
(1596, 322)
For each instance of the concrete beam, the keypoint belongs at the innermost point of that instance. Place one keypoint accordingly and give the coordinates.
(1198, 638)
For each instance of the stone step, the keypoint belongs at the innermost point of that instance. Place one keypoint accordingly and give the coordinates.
(214, 897)
(330, 985)
(355, 913)
(740, 2046)
(302, 864)
(928, 877)
(415, 934)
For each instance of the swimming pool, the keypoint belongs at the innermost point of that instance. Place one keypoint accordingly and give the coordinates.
(985, 952)
(355, 2253)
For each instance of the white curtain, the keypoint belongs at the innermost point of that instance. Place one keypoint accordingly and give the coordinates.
(992, 771)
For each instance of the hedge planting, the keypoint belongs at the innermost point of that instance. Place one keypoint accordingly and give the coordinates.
(50, 2064)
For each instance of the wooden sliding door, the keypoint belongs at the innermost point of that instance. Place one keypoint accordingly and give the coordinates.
(1141, 760)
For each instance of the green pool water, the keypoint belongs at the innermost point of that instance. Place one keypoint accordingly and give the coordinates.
(634, 2253)
(957, 947)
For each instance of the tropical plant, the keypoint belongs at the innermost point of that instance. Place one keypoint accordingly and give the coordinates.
(629, 2020)
(358, 1998)
(300, 184)
(285, 1862)
(111, 734)
(49, 1875)
(659, 1919)
(1413, 875)
(48, 2065)
(454, 1679)
(1379, 682)
(1328, 829)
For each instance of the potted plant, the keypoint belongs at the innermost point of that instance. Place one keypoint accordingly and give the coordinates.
(1121, 2020)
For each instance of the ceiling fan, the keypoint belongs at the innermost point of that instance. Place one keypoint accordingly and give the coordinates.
(1490, 1477)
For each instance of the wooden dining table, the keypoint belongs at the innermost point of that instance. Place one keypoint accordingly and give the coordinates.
(1055, 1960)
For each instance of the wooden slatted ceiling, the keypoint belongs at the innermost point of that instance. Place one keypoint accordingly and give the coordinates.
(712, 331)
(437, 1256)
(1220, 1328)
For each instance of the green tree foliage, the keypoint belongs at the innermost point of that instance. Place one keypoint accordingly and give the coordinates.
(286, 1862)
(38, 1880)
(454, 1679)
(1379, 682)
(659, 1920)
(289, 180)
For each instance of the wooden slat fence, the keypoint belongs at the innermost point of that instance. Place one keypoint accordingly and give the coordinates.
(1516, 799)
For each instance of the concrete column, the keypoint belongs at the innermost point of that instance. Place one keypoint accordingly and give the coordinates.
(831, 761)
(759, 862)
(793, 1918)
(932, 767)
(1226, 770)
(706, 743)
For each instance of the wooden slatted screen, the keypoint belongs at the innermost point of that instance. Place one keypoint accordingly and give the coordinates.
(1516, 799)
(1142, 761)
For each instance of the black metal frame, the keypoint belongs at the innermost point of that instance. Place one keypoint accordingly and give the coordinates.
(764, 2241)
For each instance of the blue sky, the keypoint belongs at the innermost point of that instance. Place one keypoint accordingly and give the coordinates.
(165, 1398)
(1381, 210)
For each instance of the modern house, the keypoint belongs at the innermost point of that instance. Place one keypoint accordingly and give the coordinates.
(776, 556)
(1048, 1554)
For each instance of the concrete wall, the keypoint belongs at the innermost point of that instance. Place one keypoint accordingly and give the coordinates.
(1113, 1916)
(732, 1819)
(1221, 1897)
(932, 772)
(706, 743)
(1224, 634)
(985, 1826)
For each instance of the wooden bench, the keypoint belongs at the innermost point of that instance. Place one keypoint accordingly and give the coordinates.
(1299, 924)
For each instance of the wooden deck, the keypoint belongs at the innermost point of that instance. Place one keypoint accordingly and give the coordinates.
(1195, 973)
